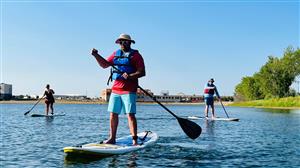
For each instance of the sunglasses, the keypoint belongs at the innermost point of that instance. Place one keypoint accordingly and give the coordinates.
(124, 41)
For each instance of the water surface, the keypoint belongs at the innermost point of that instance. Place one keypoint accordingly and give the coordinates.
(262, 137)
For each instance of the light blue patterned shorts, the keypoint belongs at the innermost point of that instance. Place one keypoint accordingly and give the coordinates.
(125, 103)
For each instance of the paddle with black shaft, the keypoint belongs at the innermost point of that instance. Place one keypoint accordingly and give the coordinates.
(33, 106)
(190, 128)
(224, 108)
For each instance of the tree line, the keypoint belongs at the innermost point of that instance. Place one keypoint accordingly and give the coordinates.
(273, 80)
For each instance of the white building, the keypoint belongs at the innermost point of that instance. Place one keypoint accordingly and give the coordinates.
(5, 91)
(70, 97)
(164, 97)
(141, 96)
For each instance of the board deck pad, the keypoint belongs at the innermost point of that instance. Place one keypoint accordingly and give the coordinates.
(123, 145)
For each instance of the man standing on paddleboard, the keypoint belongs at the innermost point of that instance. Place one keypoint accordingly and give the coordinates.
(128, 66)
(49, 100)
(209, 90)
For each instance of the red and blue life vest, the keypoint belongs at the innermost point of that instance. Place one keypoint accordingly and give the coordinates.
(122, 62)
(209, 90)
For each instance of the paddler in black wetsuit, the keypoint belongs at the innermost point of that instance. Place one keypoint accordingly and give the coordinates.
(49, 99)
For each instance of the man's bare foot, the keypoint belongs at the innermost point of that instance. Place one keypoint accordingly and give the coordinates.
(134, 143)
(109, 141)
(134, 140)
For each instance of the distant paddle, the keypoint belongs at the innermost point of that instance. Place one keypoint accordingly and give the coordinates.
(33, 106)
(190, 128)
(224, 108)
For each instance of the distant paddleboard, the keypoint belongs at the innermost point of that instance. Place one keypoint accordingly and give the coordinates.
(213, 119)
(123, 145)
(49, 115)
(222, 119)
(195, 117)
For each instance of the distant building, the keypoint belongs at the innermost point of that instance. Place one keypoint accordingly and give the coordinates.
(192, 98)
(105, 95)
(5, 91)
(165, 97)
(164, 92)
(34, 96)
(141, 96)
(168, 98)
(70, 97)
(179, 98)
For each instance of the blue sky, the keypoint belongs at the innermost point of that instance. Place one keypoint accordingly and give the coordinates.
(183, 43)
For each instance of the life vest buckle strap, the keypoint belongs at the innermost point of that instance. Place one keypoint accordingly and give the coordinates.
(110, 77)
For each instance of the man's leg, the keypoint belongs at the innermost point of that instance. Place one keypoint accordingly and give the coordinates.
(51, 107)
(206, 111)
(47, 108)
(206, 107)
(114, 121)
(133, 127)
(114, 107)
(129, 101)
(213, 109)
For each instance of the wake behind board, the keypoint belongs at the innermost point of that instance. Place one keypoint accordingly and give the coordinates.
(213, 119)
(49, 115)
(123, 145)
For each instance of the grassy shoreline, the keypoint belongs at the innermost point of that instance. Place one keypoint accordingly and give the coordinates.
(276, 103)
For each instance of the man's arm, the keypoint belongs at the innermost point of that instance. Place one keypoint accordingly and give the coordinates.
(139, 73)
(101, 61)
